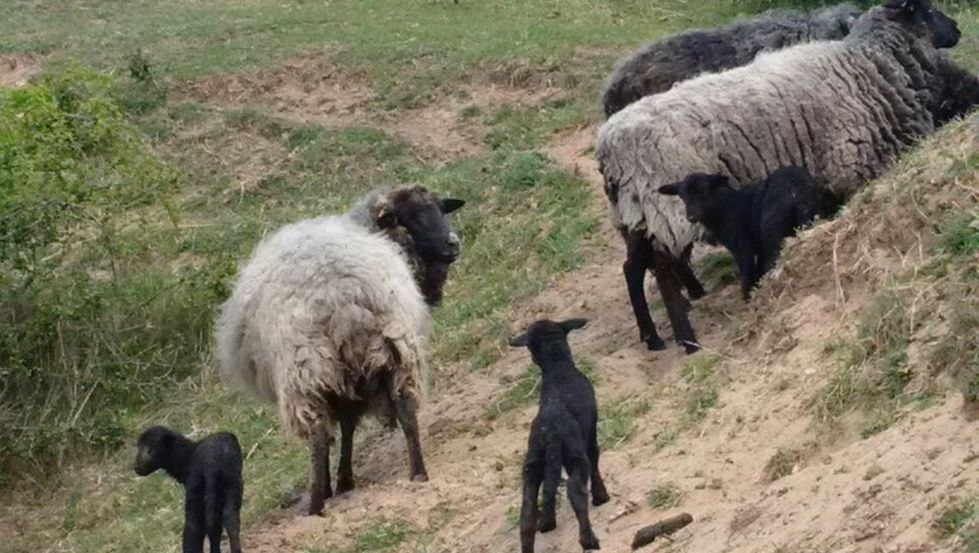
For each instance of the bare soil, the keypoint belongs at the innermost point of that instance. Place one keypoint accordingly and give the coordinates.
(17, 70)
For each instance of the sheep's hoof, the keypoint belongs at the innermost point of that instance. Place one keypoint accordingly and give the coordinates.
(547, 524)
(691, 347)
(654, 343)
(344, 486)
(599, 498)
(589, 541)
(696, 293)
(420, 478)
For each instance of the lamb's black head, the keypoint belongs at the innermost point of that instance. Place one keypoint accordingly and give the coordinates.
(545, 337)
(696, 191)
(153, 448)
(416, 219)
(925, 20)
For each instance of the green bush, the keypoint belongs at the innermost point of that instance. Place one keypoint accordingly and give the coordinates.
(94, 325)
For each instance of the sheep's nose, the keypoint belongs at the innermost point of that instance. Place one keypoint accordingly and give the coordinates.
(454, 245)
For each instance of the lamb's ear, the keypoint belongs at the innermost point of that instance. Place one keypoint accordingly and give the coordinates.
(572, 324)
(519, 341)
(448, 205)
(670, 189)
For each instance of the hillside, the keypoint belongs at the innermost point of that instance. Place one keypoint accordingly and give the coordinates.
(829, 414)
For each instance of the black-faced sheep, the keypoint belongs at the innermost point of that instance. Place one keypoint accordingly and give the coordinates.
(659, 65)
(564, 434)
(329, 321)
(752, 222)
(210, 471)
(842, 109)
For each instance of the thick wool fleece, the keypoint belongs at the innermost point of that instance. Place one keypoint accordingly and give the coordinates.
(321, 304)
(659, 65)
(841, 109)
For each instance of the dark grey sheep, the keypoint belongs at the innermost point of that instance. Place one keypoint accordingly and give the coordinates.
(659, 65)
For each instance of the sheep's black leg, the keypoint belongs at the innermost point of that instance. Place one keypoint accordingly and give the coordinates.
(664, 265)
(685, 273)
(638, 260)
(194, 531)
(599, 495)
(319, 488)
(345, 473)
(533, 475)
(552, 477)
(771, 248)
(746, 270)
(578, 496)
(231, 521)
(405, 408)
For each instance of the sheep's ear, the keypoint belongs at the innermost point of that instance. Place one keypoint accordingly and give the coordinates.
(572, 324)
(448, 205)
(519, 341)
(384, 216)
(670, 189)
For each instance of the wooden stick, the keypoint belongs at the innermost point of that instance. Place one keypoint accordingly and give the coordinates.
(647, 534)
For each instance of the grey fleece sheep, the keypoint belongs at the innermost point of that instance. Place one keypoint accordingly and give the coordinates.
(658, 65)
(841, 109)
(329, 321)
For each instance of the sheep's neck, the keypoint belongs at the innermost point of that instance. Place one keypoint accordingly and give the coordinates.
(556, 356)
(178, 462)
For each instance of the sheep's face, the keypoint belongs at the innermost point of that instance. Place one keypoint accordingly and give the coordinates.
(696, 192)
(544, 336)
(151, 447)
(422, 215)
(925, 20)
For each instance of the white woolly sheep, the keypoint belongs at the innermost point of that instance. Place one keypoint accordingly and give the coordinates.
(841, 109)
(659, 65)
(327, 321)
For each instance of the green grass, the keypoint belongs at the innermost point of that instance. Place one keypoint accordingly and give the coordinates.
(699, 373)
(961, 521)
(665, 496)
(616, 420)
(524, 389)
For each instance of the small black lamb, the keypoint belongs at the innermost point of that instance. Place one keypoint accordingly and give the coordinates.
(210, 471)
(752, 222)
(564, 434)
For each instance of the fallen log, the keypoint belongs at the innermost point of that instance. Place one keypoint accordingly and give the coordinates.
(647, 534)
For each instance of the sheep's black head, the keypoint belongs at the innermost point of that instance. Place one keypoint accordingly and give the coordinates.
(416, 219)
(925, 20)
(152, 449)
(545, 337)
(696, 191)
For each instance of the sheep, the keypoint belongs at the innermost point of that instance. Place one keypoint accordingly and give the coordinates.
(329, 320)
(658, 65)
(210, 471)
(752, 222)
(564, 434)
(842, 109)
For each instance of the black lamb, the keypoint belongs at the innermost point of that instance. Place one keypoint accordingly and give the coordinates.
(210, 471)
(564, 434)
(752, 222)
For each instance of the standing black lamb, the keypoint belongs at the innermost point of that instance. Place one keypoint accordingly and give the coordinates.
(752, 222)
(210, 471)
(564, 434)
(659, 65)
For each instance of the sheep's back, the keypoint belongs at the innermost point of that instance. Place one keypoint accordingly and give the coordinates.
(841, 111)
(319, 305)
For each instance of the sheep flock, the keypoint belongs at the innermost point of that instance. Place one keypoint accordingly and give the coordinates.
(740, 134)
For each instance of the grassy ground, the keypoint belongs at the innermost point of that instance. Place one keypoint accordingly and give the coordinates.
(526, 219)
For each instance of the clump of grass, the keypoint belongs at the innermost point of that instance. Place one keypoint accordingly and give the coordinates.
(718, 269)
(616, 420)
(383, 536)
(524, 391)
(961, 521)
(700, 376)
(665, 496)
(959, 236)
(781, 464)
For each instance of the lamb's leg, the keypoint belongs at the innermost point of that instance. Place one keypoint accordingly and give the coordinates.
(599, 495)
(533, 475)
(194, 530)
(685, 273)
(746, 271)
(406, 408)
(214, 537)
(771, 248)
(231, 520)
(345, 473)
(664, 265)
(319, 488)
(552, 477)
(638, 259)
(578, 496)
